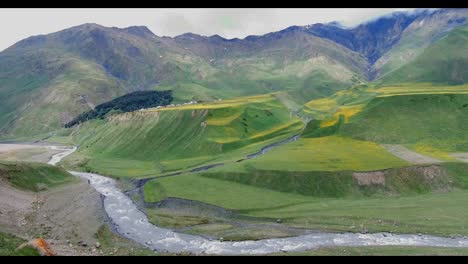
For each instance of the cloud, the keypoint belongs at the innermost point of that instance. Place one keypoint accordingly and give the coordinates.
(176, 22)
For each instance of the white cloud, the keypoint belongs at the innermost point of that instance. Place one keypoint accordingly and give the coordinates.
(17, 24)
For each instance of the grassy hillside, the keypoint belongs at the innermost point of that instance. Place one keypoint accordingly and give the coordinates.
(39, 95)
(324, 154)
(426, 117)
(408, 213)
(419, 35)
(317, 83)
(380, 251)
(33, 176)
(127, 103)
(48, 80)
(418, 88)
(435, 120)
(9, 243)
(445, 62)
(161, 140)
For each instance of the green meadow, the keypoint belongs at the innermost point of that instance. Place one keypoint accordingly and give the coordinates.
(157, 141)
(33, 176)
(338, 207)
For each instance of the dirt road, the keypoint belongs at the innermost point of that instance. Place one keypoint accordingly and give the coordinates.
(27, 152)
(460, 156)
(409, 155)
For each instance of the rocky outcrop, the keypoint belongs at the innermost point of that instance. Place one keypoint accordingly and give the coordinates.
(431, 175)
(369, 178)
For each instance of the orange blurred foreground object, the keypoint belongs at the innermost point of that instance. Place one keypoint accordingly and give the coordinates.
(41, 246)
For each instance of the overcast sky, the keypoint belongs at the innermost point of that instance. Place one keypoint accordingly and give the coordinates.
(17, 24)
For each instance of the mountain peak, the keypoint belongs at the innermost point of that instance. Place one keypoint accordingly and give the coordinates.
(86, 26)
(141, 31)
(189, 35)
(336, 24)
(217, 37)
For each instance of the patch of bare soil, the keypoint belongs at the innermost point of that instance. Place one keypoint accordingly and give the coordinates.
(67, 217)
(26, 152)
(431, 172)
(434, 175)
(409, 155)
(10, 147)
(15, 205)
(460, 156)
(369, 178)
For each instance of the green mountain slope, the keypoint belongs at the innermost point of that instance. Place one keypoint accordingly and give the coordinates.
(301, 64)
(47, 80)
(33, 176)
(158, 141)
(36, 101)
(418, 36)
(445, 62)
(435, 120)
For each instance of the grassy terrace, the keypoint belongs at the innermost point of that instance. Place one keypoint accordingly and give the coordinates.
(436, 120)
(33, 176)
(380, 251)
(153, 142)
(421, 88)
(425, 117)
(357, 97)
(9, 243)
(332, 153)
(434, 213)
(218, 104)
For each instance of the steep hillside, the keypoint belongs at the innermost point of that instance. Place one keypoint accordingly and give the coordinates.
(129, 54)
(49, 79)
(419, 35)
(446, 61)
(435, 120)
(293, 61)
(33, 176)
(36, 101)
(162, 140)
(127, 103)
(371, 39)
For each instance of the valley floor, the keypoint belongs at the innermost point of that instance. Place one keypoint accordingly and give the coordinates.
(66, 216)
(57, 203)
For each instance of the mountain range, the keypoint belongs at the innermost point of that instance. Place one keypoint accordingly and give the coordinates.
(47, 80)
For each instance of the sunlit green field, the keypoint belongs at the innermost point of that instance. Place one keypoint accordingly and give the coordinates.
(33, 176)
(434, 213)
(9, 243)
(436, 120)
(421, 88)
(150, 142)
(380, 251)
(332, 153)
(218, 104)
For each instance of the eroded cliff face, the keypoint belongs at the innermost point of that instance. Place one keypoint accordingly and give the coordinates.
(417, 178)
